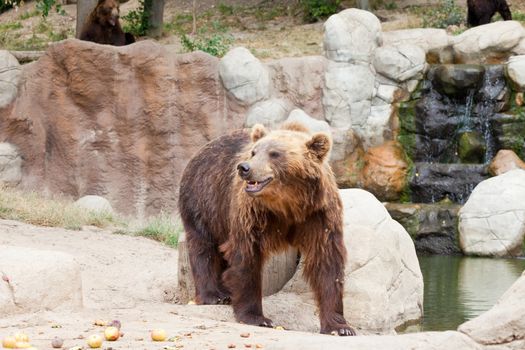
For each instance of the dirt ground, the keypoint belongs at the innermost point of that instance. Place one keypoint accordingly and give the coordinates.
(134, 280)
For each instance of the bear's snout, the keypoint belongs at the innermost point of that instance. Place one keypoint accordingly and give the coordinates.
(244, 170)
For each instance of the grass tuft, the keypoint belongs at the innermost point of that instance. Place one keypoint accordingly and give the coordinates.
(163, 228)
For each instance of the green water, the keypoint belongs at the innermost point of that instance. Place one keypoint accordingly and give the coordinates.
(458, 289)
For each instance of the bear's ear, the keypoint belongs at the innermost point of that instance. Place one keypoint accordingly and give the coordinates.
(319, 145)
(258, 132)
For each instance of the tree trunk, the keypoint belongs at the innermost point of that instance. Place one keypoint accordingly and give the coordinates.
(84, 8)
(155, 19)
(278, 270)
(364, 4)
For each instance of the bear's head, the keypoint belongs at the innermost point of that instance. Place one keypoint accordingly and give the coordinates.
(107, 12)
(283, 160)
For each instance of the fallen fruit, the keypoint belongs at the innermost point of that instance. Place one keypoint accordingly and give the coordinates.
(57, 342)
(22, 345)
(21, 337)
(279, 328)
(192, 302)
(112, 333)
(245, 335)
(158, 335)
(94, 341)
(9, 342)
(100, 323)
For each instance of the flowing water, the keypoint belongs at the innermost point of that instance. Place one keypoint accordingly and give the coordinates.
(458, 289)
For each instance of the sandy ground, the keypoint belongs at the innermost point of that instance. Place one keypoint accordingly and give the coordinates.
(134, 280)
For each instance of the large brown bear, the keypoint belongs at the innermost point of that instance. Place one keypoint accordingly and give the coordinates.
(481, 11)
(103, 26)
(244, 197)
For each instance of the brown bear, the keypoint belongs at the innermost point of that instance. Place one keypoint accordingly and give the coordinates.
(247, 195)
(103, 26)
(481, 11)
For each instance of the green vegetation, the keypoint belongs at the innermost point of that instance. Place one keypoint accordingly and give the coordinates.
(445, 14)
(28, 14)
(7, 4)
(33, 208)
(44, 6)
(215, 41)
(315, 10)
(163, 228)
(136, 21)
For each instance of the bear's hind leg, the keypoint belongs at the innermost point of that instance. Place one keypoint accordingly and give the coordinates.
(207, 266)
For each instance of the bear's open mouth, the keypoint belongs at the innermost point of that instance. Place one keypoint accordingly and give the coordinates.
(256, 186)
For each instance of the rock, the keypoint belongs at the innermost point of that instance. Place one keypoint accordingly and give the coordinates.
(383, 281)
(433, 182)
(347, 95)
(516, 71)
(270, 113)
(9, 78)
(378, 126)
(492, 221)
(453, 79)
(94, 203)
(413, 341)
(10, 165)
(435, 42)
(300, 80)
(352, 36)
(277, 271)
(489, 43)
(244, 76)
(504, 324)
(386, 93)
(346, 158)
(505, 160)
(508, 131)
(401, 62)
(39, 280)
(298, 115)
(433, 227)
(471, 147)
(385, 171)
(122, 121)
(520, 48)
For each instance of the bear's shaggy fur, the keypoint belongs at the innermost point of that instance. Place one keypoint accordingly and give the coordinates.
(481, 11)
(244, 197)
(103, 26)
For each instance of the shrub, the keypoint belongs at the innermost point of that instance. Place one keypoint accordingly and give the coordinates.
(445, 14)
(315, 10)
(137, 21)
(216, 44)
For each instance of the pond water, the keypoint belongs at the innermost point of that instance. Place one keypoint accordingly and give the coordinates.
(458, 288)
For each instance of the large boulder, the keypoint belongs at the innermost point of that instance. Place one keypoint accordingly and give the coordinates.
(383, 281)
(401, 62)
(9, 77)
(10, 165)
(435, 42)
(347, 95)
(244, 76)
(270, 113)
(298, 115)
(385, 171)
(489, 43)
(516, 71)
(37, 280)
(121, 122)
(502, 325)
(492, 221)
(94, 203)
(352, 36)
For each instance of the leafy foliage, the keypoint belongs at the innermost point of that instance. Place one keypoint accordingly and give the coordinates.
(137, 21)
(445, 14)
(216, 43)
(7, 4)
(315, 10)
(44, 6)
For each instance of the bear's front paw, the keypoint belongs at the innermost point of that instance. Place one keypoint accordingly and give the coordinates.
(215, 298)
(256, 320)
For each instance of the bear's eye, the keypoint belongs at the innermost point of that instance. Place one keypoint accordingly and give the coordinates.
(275, 154)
